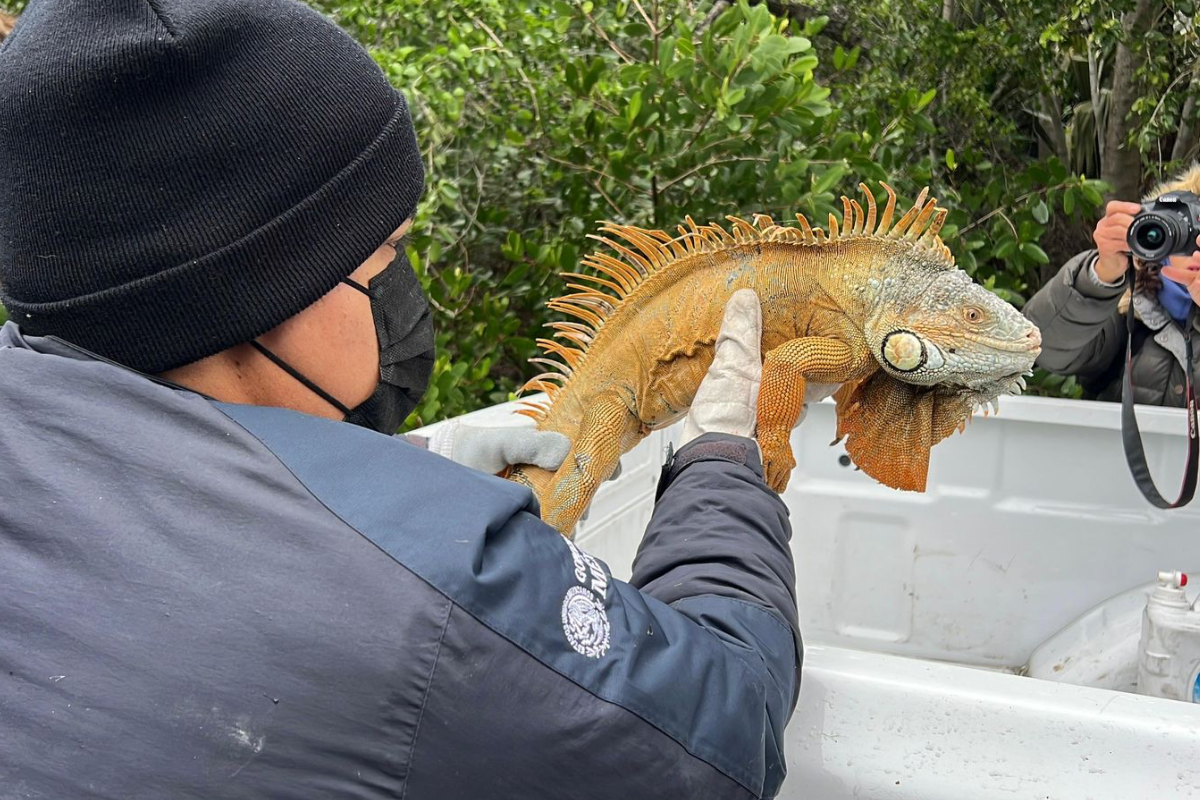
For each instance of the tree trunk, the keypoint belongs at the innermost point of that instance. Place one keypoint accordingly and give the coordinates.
(1097, 116)
(1121, 165)
(949, 11)
(1052, 124)
(1185, 141)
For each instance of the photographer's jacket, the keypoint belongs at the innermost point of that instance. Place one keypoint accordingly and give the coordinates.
(1084, 334)
(211, 601)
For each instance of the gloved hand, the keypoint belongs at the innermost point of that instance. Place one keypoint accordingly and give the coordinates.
(727, 400)
(493, 449)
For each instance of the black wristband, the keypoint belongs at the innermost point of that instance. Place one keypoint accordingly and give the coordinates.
(736, 450)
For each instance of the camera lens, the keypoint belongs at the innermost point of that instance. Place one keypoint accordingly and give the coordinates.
(1152, 235)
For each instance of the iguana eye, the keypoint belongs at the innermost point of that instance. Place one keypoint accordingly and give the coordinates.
(972, 314)
(904, 351)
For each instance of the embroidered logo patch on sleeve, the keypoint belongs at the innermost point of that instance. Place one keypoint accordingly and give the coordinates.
(585, 622)
(584, 618)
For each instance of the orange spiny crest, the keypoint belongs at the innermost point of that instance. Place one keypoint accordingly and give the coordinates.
(617, 289)
(806, 228)
(639, 253)
(573, 331)
(552, 364)
(858, 217)
(594, 296)
(870, 224)
(678, 248)
(885, 220)
(568, 354)
(643, 267)
(578, 312)
(613, 269)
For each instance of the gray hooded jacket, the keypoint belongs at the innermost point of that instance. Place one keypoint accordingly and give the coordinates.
(1084, 334)
(202, 600)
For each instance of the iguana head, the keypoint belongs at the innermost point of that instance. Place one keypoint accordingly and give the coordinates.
(946, 346)
(940, 328)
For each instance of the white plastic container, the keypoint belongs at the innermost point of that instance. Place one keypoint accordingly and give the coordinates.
(1169, 652)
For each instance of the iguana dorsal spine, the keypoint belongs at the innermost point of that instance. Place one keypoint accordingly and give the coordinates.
(649, 252)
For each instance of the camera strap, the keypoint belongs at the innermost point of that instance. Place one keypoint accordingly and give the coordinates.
(1135, 455)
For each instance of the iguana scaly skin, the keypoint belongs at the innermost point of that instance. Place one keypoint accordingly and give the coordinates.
(877, 307)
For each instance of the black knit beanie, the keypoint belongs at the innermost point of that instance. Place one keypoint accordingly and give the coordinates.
(180, 176)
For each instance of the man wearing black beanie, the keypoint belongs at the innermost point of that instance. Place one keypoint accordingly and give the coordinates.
(216, 587)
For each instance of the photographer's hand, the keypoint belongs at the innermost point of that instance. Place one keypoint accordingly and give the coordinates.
(1109, 236)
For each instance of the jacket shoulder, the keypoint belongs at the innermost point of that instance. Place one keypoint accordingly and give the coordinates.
(377, 476)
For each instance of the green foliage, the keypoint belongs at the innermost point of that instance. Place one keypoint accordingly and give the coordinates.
(538, 126)
(538, 123)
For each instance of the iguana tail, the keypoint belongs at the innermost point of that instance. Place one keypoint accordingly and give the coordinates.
(606, 431)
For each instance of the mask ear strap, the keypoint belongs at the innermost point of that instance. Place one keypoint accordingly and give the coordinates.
(355, 284)
(290, 370)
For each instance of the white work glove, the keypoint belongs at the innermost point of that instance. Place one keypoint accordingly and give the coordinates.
(492, 449)
(727, 400)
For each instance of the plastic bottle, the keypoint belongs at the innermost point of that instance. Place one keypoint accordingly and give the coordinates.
(1169, 652)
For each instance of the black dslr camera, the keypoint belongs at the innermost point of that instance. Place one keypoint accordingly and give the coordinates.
(1166, 227)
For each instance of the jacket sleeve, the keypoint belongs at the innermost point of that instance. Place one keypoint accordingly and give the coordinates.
(718, 544)
(1081, 327)
(687, 676)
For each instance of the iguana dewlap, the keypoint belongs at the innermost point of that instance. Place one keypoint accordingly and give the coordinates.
(877, 307)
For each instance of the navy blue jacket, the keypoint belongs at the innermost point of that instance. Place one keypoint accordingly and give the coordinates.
(202, 600)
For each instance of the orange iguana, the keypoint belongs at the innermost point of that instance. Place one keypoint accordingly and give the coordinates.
(880, 309)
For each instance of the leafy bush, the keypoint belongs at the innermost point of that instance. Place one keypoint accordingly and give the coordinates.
(539, 124)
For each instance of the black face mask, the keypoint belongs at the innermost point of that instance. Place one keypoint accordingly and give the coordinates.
(404, 328)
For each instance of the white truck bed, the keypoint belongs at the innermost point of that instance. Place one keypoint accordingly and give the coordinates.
(920, 611)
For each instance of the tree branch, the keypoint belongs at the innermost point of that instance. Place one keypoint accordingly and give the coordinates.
(706, 165)
(1051, 118)
(1121, 165)
(1186, 139)
(537, 113)
(613, 45)
(712, 15)
(600, 172)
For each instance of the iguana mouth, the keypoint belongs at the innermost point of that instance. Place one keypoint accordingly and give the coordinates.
(987, 396)
(1030, 343)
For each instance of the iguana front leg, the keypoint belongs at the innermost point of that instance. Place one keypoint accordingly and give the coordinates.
(607, 429)
(786, 372)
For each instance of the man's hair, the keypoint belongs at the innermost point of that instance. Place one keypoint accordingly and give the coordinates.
(7, 21)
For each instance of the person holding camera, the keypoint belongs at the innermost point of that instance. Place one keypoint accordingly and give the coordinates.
(1082, 310)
